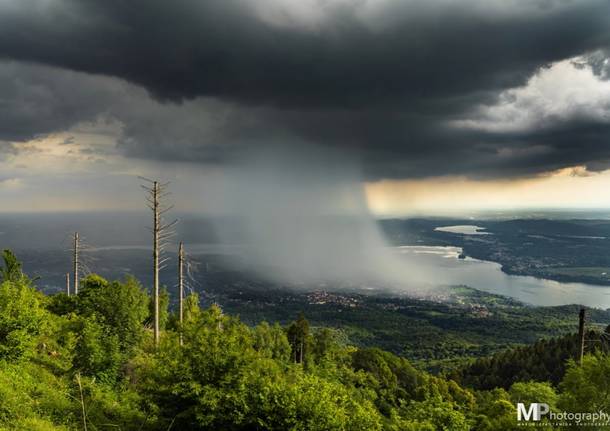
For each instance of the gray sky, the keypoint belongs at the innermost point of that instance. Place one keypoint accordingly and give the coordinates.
(401, 105)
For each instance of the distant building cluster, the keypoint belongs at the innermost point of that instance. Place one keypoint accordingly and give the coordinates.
(322, 297)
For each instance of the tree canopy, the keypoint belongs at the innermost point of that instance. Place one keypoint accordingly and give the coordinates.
(90, 359)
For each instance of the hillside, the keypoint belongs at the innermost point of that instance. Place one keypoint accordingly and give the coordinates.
(546, 359)
(436, 332)
(89, 362)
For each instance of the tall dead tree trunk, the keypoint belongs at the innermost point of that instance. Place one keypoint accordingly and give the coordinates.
(581, 335)
(68, 283)
(181, 287)
(161, 232)
(156, 227)
(75, 262)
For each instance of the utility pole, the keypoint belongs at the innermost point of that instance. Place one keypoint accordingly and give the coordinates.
(181, 287)
(75, 262)
(581, 335)
(161, 232)
(68, 283)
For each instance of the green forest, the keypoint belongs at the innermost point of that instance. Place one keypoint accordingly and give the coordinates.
(89, 362)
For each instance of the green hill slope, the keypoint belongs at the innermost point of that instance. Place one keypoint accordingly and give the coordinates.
(89, 362)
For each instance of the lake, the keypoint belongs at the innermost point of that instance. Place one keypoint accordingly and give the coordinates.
(488, 276)
(465, 229)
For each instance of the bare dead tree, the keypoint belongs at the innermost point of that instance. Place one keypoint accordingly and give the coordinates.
(68, 283)
(155, 194)
(75, 269)
(190, 268)
(82, 260)
(187, 268)
(181, 287)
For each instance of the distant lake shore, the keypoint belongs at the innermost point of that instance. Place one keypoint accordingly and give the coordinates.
(489, 277)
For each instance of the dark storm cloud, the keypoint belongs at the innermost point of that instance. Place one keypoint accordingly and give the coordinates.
(409, 50)
(39, 100)
(381, 79)
(576, 142)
